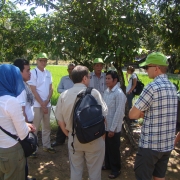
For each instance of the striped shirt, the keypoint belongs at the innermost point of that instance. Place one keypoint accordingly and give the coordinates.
(159, 102)
(98, 83)
(115, 100)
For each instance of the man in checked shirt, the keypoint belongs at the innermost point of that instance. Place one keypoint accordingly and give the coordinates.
(157, 104)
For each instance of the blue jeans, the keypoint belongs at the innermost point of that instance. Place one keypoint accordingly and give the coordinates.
(129, 99)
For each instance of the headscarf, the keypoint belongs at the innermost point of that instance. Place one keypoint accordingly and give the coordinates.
(11, 82)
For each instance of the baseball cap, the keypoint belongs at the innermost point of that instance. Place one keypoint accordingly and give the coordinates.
(155, 58)
(98, 60)
(42, 56)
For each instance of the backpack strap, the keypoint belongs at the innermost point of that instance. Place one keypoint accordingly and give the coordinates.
(88, 90)
(9, 134)
(73, 125)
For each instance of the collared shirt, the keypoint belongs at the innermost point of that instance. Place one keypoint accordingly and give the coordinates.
(115, 100)
(66, 102)
(42, 80)
(65, 83)
(159, 102)
(98, 83)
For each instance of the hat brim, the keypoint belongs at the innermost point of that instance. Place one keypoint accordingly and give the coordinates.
(143, 64)
(98, 63)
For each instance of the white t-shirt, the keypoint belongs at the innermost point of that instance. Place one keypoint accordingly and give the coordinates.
(22, 98)
(42, 80)
(12, 120)
(133, 76)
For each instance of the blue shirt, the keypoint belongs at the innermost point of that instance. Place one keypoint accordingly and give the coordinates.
(115, 100)
(98, 83)
(65, 83)
(159, 102)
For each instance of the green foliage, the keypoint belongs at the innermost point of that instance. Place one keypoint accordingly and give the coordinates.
(81, 30)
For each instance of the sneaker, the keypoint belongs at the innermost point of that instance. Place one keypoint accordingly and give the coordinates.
(33, 155)
(50, 150)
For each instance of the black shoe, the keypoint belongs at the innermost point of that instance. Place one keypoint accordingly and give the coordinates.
(55, 143)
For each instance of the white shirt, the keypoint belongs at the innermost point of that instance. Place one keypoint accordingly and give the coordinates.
(22, 98)
(12, 120)
(42, 80)
(133, 76)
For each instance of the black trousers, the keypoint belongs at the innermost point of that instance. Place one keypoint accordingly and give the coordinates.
(60, 136)
(112, 152)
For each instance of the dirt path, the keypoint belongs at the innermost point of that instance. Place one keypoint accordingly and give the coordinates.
(56, 166)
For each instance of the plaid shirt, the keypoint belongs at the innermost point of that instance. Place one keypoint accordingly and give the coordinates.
(159, 102)
(115, 101)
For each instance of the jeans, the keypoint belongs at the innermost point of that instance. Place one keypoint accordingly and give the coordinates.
(129, 99)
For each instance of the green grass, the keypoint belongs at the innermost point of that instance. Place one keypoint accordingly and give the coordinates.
(145, 79)
(59, 71)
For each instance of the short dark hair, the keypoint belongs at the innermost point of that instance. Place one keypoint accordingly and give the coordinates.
(20, 63)
(71, 64)
(78, 73)
(113, 74)
(131, 68)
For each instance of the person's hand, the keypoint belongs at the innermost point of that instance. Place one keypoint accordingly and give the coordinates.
(177, 139)
(129, 92)
(43, 104)
(45, 110)
(141, 114)
(31, 127)
(110, 134)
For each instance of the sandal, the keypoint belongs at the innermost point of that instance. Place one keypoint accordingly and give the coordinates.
(105, 168)
(114, 175)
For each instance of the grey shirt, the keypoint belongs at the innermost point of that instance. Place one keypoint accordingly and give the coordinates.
(98, 83)
(65, 83)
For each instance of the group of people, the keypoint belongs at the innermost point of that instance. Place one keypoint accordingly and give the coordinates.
(25, 104)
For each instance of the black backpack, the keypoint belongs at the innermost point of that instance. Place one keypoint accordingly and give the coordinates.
(139, 87)
(88, 121)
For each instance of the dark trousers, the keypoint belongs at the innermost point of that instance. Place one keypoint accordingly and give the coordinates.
(26, 170)
(112, 152)
(130, 99)
(60, 136)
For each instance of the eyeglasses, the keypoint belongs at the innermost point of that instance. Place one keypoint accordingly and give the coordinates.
(147, 67)
(45, 61)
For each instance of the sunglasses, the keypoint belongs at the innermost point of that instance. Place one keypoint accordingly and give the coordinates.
(147, 67)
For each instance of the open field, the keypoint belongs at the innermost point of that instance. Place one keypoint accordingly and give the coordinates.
(58, 71)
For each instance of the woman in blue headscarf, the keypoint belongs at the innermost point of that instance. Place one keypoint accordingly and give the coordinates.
(12, 160)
